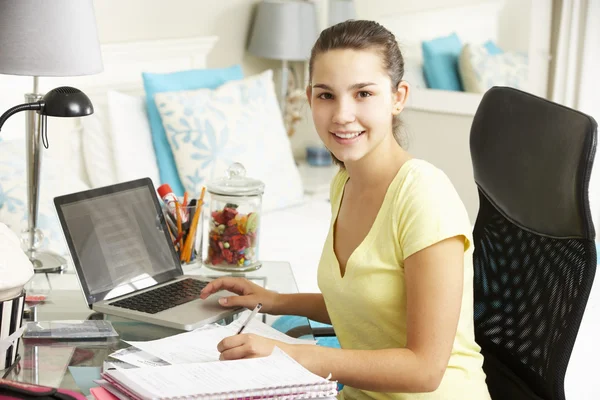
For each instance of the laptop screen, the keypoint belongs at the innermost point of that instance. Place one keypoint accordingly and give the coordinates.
(118, 239)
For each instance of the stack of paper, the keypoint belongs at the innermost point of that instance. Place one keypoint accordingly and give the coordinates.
(196, 346)
(187, 365)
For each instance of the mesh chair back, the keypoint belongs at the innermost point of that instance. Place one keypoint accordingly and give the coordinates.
(534, 258)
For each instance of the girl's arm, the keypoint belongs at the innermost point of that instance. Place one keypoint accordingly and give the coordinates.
(434, 285)
(309, 305)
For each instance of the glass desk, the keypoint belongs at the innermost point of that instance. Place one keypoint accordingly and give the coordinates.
(51, 362)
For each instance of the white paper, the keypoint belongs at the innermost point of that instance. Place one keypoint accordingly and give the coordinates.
(116, 364)
(137, 357)
(201, 345)
(10, 340)
(276, 370)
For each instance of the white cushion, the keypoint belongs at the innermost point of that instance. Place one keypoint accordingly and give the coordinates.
(480, 70)
(15, 268)
(117, 143)
(97, 151)
(239, 121)
(131, 138)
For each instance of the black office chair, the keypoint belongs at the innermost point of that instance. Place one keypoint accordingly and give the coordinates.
(535, 258)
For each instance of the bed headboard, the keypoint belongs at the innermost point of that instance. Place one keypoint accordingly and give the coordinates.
(475, 23)
(125, 62)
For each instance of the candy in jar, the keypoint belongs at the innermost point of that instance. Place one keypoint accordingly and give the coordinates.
(234, 221)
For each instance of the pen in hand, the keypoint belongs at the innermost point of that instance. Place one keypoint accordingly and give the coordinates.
(252, 315)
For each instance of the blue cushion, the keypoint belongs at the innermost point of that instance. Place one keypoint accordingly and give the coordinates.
(492, 48)
(287, 322)
(440, 62)
(171, 82)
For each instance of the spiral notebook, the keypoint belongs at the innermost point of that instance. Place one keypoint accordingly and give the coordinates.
(276, 376)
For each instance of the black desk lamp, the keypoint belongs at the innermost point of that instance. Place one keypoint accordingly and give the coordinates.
(63, 101)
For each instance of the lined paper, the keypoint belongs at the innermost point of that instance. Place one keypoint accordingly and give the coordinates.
(244, 376)
(201, 345)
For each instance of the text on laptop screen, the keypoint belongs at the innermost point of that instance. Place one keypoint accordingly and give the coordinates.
(118, 238)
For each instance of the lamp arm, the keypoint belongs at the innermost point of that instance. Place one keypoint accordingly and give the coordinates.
(21, 107)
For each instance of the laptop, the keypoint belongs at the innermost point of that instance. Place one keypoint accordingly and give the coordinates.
(125, 262)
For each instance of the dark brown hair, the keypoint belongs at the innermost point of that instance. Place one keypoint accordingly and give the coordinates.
(365, 35)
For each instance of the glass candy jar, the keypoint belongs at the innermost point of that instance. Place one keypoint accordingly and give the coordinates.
(231, 242)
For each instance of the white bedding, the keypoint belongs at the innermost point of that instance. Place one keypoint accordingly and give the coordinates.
(296, 234)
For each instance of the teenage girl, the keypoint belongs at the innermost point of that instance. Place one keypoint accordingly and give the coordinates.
(396, 271)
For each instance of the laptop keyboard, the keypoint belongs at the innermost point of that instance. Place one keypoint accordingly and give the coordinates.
(164, 297)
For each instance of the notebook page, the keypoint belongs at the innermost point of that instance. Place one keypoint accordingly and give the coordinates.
(184, 348)
(201, 345)
(260, 328)
(278, 369)
(138, 358)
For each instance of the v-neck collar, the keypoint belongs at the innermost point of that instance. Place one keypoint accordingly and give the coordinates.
(374, 228)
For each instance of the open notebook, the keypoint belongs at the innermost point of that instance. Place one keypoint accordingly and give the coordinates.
(276, 376)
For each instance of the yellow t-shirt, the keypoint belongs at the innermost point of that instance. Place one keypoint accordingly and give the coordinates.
(367, 306)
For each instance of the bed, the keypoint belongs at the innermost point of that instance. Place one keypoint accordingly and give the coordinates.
(83, 152)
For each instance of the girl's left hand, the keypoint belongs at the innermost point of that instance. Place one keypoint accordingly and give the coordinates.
(247, 345)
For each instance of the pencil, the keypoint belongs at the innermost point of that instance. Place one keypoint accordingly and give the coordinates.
(187, 252)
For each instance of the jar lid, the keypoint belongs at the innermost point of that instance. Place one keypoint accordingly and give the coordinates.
(235, 183)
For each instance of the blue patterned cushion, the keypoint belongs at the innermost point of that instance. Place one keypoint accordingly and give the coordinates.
(481, 70)
(240, 121)
(181, 80)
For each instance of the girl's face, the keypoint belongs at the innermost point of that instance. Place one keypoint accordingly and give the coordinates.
(352, 102)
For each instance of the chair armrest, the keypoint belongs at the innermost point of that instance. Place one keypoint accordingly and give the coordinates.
(322, 332)
(299, 331)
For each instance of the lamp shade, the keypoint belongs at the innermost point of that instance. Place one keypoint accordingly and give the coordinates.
(284, 30)
(49, 38)
(340, 11)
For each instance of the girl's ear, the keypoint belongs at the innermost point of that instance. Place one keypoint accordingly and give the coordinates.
(399, 97)
(309, 94)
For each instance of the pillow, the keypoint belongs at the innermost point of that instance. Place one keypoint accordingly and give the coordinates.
(131, 138)
(440, 62)
(13, 195)
(481, 70)
(240, 121)
(97, 150)
(492, 48)
(183, 80)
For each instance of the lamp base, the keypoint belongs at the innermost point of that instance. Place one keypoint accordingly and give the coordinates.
(48, 262)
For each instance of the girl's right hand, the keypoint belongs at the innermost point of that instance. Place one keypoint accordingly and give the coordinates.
(249, 293)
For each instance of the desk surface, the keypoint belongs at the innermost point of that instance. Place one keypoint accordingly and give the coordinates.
(51, 363)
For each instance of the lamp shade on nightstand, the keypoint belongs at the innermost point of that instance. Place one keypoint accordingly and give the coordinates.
(284, 30)
(49, 38)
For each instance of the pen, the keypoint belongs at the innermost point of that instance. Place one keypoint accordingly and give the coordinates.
(13, 366)
(252, 315)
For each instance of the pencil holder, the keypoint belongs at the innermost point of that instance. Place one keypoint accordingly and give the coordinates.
(185, 231)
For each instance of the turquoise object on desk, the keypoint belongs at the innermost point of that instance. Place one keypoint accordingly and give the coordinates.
(84, 377)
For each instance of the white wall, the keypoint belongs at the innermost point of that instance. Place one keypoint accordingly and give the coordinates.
(230, 20)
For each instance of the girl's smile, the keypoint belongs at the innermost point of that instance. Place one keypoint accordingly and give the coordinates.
(347, 137)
